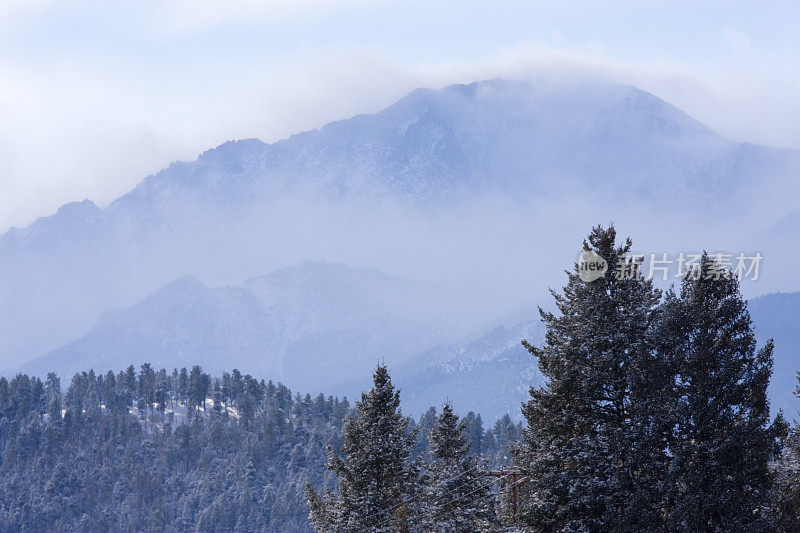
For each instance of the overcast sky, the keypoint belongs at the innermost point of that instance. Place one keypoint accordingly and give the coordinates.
(96, 95)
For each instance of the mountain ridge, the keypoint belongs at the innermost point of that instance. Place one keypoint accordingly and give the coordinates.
(352, 190)
(275, 325)
(232, 155)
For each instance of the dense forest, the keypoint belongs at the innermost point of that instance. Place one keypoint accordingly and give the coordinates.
(146, 450)
(654, 417)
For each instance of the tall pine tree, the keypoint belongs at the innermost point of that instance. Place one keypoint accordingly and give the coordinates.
(594, 444)
(723, 439)
(378, 483)
(458, 491)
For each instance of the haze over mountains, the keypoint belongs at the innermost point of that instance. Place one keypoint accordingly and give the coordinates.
(478, 193)
(310, 325)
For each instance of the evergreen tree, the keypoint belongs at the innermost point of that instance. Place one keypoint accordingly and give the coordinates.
(424, 427)
(183, 385)
(217, 395)
(473, 430)
(377, 480)
(594, 445)
(53, 389)
(785, 502)
(503, 434)
(128, 382)
(236, 385)
(109, 396)
(458, 492)
(199, 385)
(723, 440)
(147, 382)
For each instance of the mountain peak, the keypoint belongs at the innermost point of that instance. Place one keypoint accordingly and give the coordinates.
(235, 149)
(436, 145)
(72, 208)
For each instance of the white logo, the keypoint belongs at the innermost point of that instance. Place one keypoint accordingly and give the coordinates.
(591, 266)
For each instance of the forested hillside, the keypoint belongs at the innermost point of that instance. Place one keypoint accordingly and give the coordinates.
(154, 450)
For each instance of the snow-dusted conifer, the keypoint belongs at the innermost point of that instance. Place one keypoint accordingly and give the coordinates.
(593, 447)
(723, 439)
(377, 480)
(458, 492)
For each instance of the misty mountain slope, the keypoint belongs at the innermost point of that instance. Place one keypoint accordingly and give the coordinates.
(367, 190)
(173, 326)
(311, 325)
(318, 295)
(341, 321)
(777, 316)
(490, 374)
(778, 244)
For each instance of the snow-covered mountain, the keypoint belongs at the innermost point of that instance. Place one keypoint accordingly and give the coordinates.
(491, 181)
(498, 134)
